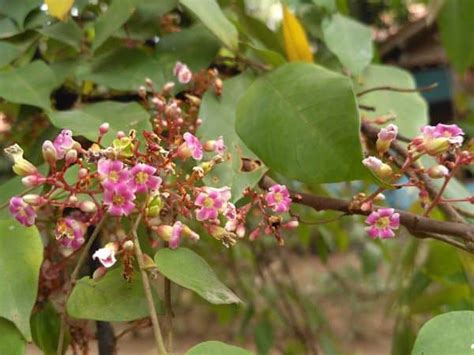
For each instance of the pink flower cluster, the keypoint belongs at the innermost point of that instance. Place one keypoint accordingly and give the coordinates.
(436, 140)
(122, 184)
(211, 202)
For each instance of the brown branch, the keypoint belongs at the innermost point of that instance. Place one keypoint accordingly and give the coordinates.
(391, 88)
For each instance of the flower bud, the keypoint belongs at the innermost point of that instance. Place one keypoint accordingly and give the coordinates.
(88, 207)
(385, 137)
(438, 171)
(436, 146)
(168, 87)
(292, 224)
(240, 231)
(72, 200)
(21, 166)
(82, 173)
(120, 134)
(128, 245)
(378, 167)
(154, 206)
(50, 154)
(99, 273)
(164, 231)
(33, 199)
(104, 128)
(188, 232)
(33, 180)
(71, 157)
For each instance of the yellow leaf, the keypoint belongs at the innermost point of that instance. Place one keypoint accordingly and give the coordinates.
(296, 43)
(59, 8)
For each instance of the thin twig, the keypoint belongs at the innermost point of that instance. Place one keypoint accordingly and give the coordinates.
(147, 289)
(391, 88)
(74, 275)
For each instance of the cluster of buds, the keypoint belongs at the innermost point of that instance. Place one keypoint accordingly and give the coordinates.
(441, 142)
(156, 176)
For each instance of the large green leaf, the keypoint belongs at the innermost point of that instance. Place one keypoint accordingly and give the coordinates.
(8, 52)
(456, 24)
(218, 115)
(116, 15)
(45, 325)
(410, 109)
(86, 120)
(448, 333)
(111, 299)
(21, 254)
(210, 14)
(18, 10)
(11, 341)
(214, 347)
(302, 121)
(66, 32)
(350, 41)
(31, 84)
(8, 28)
(187, 269)
(135, 65)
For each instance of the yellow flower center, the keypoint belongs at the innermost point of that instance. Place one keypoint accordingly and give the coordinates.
(141, 177)
(118, 200)
(382, 222)
(278, 197)
(113, 176)
(208, 202)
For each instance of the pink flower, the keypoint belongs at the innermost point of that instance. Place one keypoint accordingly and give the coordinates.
(106, 255)
(142, 178)
(215, 146)
(112, 171)
(191, 147)
(377, 166)
(176, 234)
(452, 132)
(211, 201)
(382, 223)
(182, 72)
(385, 137)
(23, 212)
(63, 142)
(437, 139)
(70, 232)
(278, 198)
(119, 198)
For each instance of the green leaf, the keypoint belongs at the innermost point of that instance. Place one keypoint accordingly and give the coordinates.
(21, 254)
(218, 116)
(31, 84)
(116, 15)
(264, 336)
(456, 25)
(214, 347)
(110, 299)
(11, 341)
(350, 41)
(448, 333)
(8, 52)
(302, 121)
(210, 14)
(187, 269)
(66, 32)
(410, 109)
(8, 28)
(18, 10)
(135, 65)
(85, 121)
(45, 325)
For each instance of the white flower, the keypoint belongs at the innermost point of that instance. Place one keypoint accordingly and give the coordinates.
(106, 255)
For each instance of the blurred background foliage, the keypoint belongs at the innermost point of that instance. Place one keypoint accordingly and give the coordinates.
(330, 284)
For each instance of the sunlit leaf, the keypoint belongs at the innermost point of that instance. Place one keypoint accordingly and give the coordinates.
(216, 348)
